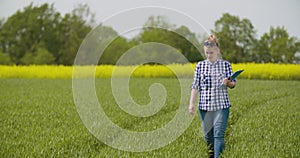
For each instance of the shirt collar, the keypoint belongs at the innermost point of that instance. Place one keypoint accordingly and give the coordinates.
(214, 63)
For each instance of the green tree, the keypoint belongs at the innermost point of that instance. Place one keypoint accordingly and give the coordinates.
(236, 37)
(43, 27)
(26, 29)
(277, 46)
(100, 46)
(157, 29)
(74, 29)
(114, 51)
(40, 57)
(188, 44)
(158, 22)
(4, 59)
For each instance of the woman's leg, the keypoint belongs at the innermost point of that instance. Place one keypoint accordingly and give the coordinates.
(220, 124)
(207, 125)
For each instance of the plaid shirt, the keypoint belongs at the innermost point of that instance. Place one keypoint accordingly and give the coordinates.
(208, 79)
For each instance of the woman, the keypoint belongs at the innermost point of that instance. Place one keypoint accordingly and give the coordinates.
(211, 79)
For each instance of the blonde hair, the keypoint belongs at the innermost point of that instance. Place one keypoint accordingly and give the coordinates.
(213, 38)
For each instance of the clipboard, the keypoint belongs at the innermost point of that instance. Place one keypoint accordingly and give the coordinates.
(235, 74)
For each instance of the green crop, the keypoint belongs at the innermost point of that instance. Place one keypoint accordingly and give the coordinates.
(38, 118)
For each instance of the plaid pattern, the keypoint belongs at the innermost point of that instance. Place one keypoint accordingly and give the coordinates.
(208, 79)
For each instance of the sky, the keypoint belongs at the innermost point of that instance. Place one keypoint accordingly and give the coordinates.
(124, 15)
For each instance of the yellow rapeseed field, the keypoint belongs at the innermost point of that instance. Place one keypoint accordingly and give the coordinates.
(269, 71)
(252, 71)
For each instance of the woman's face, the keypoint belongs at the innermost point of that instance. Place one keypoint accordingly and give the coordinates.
(211, 51)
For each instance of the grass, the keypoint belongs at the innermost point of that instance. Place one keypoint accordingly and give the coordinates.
(38, 118)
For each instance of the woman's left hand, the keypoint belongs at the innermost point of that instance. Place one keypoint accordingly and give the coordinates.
(228, 82)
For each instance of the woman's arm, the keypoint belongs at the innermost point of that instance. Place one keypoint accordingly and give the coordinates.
(192, 101)
(227, 81)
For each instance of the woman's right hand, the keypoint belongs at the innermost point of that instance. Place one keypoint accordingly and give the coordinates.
(192, 101)
(192, 109)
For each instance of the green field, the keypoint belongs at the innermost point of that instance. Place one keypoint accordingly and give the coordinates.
(38, 118)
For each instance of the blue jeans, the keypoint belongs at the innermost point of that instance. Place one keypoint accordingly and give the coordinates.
(214, 124)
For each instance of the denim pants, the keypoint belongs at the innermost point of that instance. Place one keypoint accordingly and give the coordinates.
(214, 125)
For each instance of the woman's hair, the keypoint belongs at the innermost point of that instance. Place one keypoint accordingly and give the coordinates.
(213, 38)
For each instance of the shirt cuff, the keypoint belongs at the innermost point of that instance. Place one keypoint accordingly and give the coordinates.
(195, 87)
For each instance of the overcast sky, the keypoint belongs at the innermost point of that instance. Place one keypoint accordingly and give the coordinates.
(262, 13)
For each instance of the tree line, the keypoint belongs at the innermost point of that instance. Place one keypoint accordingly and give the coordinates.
(42, 35)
